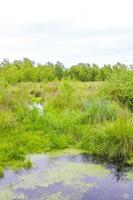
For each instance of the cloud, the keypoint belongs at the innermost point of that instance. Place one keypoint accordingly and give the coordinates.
(70, 31)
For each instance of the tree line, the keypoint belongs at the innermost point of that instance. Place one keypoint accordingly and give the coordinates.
(26, 70)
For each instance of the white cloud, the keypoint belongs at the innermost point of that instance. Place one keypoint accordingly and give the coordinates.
(70, 31)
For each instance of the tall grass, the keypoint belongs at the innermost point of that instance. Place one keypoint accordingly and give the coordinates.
(7, 120)
(99, 110)
(65, 98)
(117, 145)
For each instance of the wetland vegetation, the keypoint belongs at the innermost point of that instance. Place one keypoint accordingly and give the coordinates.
(49, 107)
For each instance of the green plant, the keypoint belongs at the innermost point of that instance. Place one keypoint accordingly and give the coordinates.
(1, 172)
(65, 98)
(120, 88)
(117, 143)
(99, 110)
(7, 120)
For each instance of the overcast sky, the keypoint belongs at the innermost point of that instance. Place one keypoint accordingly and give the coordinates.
(70, 31)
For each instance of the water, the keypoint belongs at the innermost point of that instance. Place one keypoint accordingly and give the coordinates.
(38, 106)
(67, 177)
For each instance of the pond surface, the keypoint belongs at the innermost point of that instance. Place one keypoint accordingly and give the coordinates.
(66, 177)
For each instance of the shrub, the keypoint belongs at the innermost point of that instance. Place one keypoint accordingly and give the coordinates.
(120, 88)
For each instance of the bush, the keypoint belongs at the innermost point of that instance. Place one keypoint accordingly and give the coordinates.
(120, 88)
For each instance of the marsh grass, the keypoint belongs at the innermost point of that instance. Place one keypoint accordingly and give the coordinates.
(117, 145)
(1, 172)
(99, 110)
(7, 120)
(75, 116)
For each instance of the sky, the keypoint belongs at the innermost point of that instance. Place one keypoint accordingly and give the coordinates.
(69, 31)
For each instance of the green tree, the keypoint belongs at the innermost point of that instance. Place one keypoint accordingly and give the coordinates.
(59, 70)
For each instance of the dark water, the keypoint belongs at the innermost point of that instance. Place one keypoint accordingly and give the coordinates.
(67, 177)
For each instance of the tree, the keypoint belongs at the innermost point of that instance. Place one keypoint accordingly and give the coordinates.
(95, 73)
(106, 72)
(59, 70)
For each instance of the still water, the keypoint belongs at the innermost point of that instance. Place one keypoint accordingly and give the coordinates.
(67, 176)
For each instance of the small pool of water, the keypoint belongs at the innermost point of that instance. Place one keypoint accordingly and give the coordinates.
(67, 177)
(38, 106)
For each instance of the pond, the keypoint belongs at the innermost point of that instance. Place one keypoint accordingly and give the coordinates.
(67, 176)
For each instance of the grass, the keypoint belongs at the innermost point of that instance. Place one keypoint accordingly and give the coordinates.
(75, 115)
(100, 110)
(117, 143)
(1, 172)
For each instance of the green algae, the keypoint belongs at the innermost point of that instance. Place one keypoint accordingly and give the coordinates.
(9, 194)
(6, 194)
(130, 162)
(71, 173)
(130, 175)
(58, 196)
(66, 172)
(68, 151)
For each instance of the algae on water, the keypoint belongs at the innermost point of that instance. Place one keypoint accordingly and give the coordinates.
(64, 172)
(130, 175)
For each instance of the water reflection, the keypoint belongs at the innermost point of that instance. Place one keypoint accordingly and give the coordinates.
(74, 177)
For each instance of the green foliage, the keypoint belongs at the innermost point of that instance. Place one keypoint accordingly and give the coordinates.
(14, 153)
(1, 172)
(75, 115)
(59, 70)
(65, 97)
(117, 143)
(7, 120)
(58, 141)
(26, 71)
(99, 110)
(120, 88)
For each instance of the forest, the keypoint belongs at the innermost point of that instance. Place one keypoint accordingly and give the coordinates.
(27, 71)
